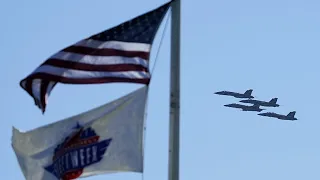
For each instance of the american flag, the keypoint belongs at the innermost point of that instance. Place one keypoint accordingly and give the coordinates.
(119, 54)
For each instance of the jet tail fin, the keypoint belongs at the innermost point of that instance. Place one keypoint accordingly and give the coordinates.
(291, 114)
(273, 100)
(248, 92)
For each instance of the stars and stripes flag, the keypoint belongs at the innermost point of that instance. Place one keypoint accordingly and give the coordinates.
(119, 54)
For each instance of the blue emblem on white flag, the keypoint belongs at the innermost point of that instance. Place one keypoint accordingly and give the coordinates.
(78, 151)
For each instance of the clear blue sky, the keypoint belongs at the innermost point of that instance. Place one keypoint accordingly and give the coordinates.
(271, 46)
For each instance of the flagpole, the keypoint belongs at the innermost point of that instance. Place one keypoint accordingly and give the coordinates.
(174, 124)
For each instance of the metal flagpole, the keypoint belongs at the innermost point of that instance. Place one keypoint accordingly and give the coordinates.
(174, 127)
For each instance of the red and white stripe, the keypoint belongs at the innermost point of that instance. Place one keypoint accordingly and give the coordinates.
(90, 62)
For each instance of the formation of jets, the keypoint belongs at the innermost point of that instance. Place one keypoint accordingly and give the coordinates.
(249, 99)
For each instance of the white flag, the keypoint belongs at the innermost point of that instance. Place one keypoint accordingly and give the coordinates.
(103, 140)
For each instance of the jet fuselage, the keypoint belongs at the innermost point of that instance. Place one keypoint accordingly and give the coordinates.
(261, 103)
(236, 95)
(245, 108)
(278, 116)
